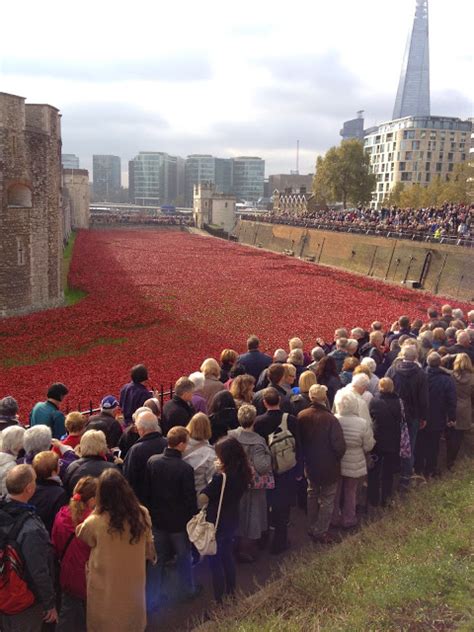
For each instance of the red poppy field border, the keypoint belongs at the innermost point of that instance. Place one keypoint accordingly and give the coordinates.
(170, 299)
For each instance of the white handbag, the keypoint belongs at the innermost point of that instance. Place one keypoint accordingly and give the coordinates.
(203, 533)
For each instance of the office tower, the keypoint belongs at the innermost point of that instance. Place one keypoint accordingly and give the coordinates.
(153, 178)
(413, 96)
(223, 175)
(248, 173)
(199, 168)
(106, 177)
(70, 161)
(353, 128)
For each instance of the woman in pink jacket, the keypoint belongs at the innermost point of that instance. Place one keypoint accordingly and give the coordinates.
(73, 555)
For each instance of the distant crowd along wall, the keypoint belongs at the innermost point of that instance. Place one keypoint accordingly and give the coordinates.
(437, 268)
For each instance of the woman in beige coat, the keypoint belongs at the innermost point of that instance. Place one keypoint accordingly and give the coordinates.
(119, 534)
(464, 378)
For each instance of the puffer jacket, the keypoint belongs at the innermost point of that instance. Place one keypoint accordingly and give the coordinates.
(359, 440)
(465, 399)
(201, 457)
(7, 461)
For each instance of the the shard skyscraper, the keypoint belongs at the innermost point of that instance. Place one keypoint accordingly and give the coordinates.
(413, 96)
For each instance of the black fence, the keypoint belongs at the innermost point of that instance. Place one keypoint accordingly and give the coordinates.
(412, 235)
(90, 408)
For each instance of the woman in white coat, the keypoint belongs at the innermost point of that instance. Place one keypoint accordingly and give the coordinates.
(359, 439)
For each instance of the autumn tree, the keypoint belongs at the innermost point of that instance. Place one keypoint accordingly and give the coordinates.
(343, 174)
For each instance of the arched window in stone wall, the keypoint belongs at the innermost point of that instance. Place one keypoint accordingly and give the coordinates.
(19, 195)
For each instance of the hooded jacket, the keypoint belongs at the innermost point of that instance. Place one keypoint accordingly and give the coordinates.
(411, 385)
(442, 399)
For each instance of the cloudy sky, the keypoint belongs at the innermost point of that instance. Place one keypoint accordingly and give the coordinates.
(227, 78)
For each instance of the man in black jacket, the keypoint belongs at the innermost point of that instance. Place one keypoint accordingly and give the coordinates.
(179, 410)
(280, 498)
(254, 360)
(411, 385)
(151, 442)
(35, 549)
(276, 375)
(171, 501)
(105, 421)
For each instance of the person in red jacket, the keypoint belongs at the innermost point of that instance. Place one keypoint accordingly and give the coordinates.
(73, 555)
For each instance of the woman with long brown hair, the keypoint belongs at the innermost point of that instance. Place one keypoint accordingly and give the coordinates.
(120, 537)
(73, 555)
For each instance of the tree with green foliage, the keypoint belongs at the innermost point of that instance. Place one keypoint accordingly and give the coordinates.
(438, 191)
(343, 174)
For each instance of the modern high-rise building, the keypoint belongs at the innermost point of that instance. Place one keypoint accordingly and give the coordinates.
(153, 178)
(416, 149)
(248, 174)
(223, 175)
(290, 183)
(413, 96)
(199, 168)
(353, 128)
(70, 161)
(107, 178)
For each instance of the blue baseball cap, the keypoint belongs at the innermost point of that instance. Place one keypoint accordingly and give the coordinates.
(109, 402)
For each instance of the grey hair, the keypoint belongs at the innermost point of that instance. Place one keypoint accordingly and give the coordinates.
(370, 363)
(246, 415)
(470, 316)
(147, 421)
(12, 439)
(37, 439)
(280, 355)
(346, 402)
(317, 353)
(296, 357)
(458, 314)
(183, 385)
(352, 344)
(197, 378)
(463, 336)
(433, 359)
(318, 392)
(8, 406)
(409, 353)
(142, 409)
(360, 379)
(358, 331)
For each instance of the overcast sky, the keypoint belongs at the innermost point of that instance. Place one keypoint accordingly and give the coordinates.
(228, 78)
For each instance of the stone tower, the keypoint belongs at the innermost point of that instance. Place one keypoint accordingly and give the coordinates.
(31, 226)
(413, 96)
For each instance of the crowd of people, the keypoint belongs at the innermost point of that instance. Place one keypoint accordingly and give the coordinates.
(95, 514)
(449, 220)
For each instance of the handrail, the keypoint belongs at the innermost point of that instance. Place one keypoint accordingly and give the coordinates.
(162, 395)
(392, 233)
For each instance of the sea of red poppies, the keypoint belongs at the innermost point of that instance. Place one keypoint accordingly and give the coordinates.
(171, 299)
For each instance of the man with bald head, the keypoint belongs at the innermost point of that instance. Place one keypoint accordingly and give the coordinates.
(18, 520)
(151, 442)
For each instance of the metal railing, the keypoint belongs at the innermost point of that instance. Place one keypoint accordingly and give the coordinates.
(393, 233)
(160, 393)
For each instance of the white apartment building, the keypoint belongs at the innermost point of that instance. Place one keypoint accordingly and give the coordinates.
(415, 149)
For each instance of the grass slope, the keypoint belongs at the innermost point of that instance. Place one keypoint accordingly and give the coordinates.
(71, 295)
(411, 570)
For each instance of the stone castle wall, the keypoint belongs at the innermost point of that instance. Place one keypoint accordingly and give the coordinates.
(76, 194)
(31, 225)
